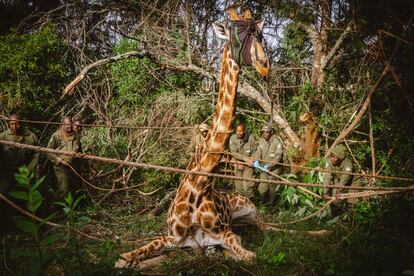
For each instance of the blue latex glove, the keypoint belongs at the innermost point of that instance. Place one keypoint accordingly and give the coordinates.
(256, 164)
(265, 167)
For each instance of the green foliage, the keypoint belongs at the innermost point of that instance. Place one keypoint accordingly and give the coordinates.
(295, 38)
(297, 200)
(138, 82)
(269, 252)
(299, 103)
(36, 258)
(69, 209)
(33, 68)
(143, 95)
(131, 77)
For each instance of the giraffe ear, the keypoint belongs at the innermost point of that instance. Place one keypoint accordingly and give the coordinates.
(221, 31)
(259, 24)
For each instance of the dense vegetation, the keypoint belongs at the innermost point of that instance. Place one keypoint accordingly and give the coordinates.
(326, 57)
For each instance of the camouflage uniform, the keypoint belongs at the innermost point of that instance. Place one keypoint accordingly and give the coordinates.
(241, 150)
(339, 179)
(271, 150)
(12, 158)
(197, 140)
(65, 177)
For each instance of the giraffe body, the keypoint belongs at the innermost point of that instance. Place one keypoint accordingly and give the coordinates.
(199, 215)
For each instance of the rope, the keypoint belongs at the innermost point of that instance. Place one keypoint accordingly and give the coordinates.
(199, 173)
(384, 177)
(112, 190)
(228, 153)
(304, 218)
(331, 200)
(4, 118)
(369, 191)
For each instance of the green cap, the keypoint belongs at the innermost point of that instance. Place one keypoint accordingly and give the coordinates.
(203, 127)
(339, 151)
(267, 128)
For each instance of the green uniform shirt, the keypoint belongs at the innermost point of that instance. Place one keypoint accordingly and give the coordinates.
(240, 148)
(58, 142)
(13, 157)
(196, 142)
(271, 150)
(338, 178)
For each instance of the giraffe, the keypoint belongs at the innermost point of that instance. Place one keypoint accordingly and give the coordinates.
(199, 215)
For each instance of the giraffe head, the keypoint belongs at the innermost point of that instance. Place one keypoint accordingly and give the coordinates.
(245, 40)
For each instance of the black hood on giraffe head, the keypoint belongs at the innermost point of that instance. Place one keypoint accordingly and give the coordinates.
(242, 35)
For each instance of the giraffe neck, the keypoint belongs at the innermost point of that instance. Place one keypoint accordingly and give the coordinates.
(220, 130)
(224, 112)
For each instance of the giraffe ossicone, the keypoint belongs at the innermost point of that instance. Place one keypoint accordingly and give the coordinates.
(199, 215)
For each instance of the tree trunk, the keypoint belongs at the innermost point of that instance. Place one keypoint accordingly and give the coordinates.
(291, 139)
(319, 41)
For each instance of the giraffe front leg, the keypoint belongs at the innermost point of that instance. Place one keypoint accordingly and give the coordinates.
(131, 259)
(232, 243)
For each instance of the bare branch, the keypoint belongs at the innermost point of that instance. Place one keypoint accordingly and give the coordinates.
(69, 89)
(336, 47)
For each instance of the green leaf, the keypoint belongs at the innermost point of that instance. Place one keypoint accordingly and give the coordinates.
(77, 201)
(52, 239)
(35, 202)
(49, 217)
(60, 203)
(309, 203)
(36, 196)
(37, 183)
(301, 212)
(32, 207)
(67, 210)
(22, 180)
(19, 195)
(26, 225)
(69, 199)
(84, 220)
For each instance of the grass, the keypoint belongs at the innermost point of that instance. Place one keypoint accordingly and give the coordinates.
(382, 244)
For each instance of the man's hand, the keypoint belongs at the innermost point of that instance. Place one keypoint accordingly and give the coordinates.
(63, 163)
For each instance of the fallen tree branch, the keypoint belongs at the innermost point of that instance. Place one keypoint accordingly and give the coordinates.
(250, 92)
(163, 203)
(69, 89)
(313, 233)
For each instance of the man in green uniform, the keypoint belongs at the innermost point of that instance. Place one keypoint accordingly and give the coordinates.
(269, 152)
(242, 145)
(77, 126)
(66, 140)
(12, 158)
(337, 162)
